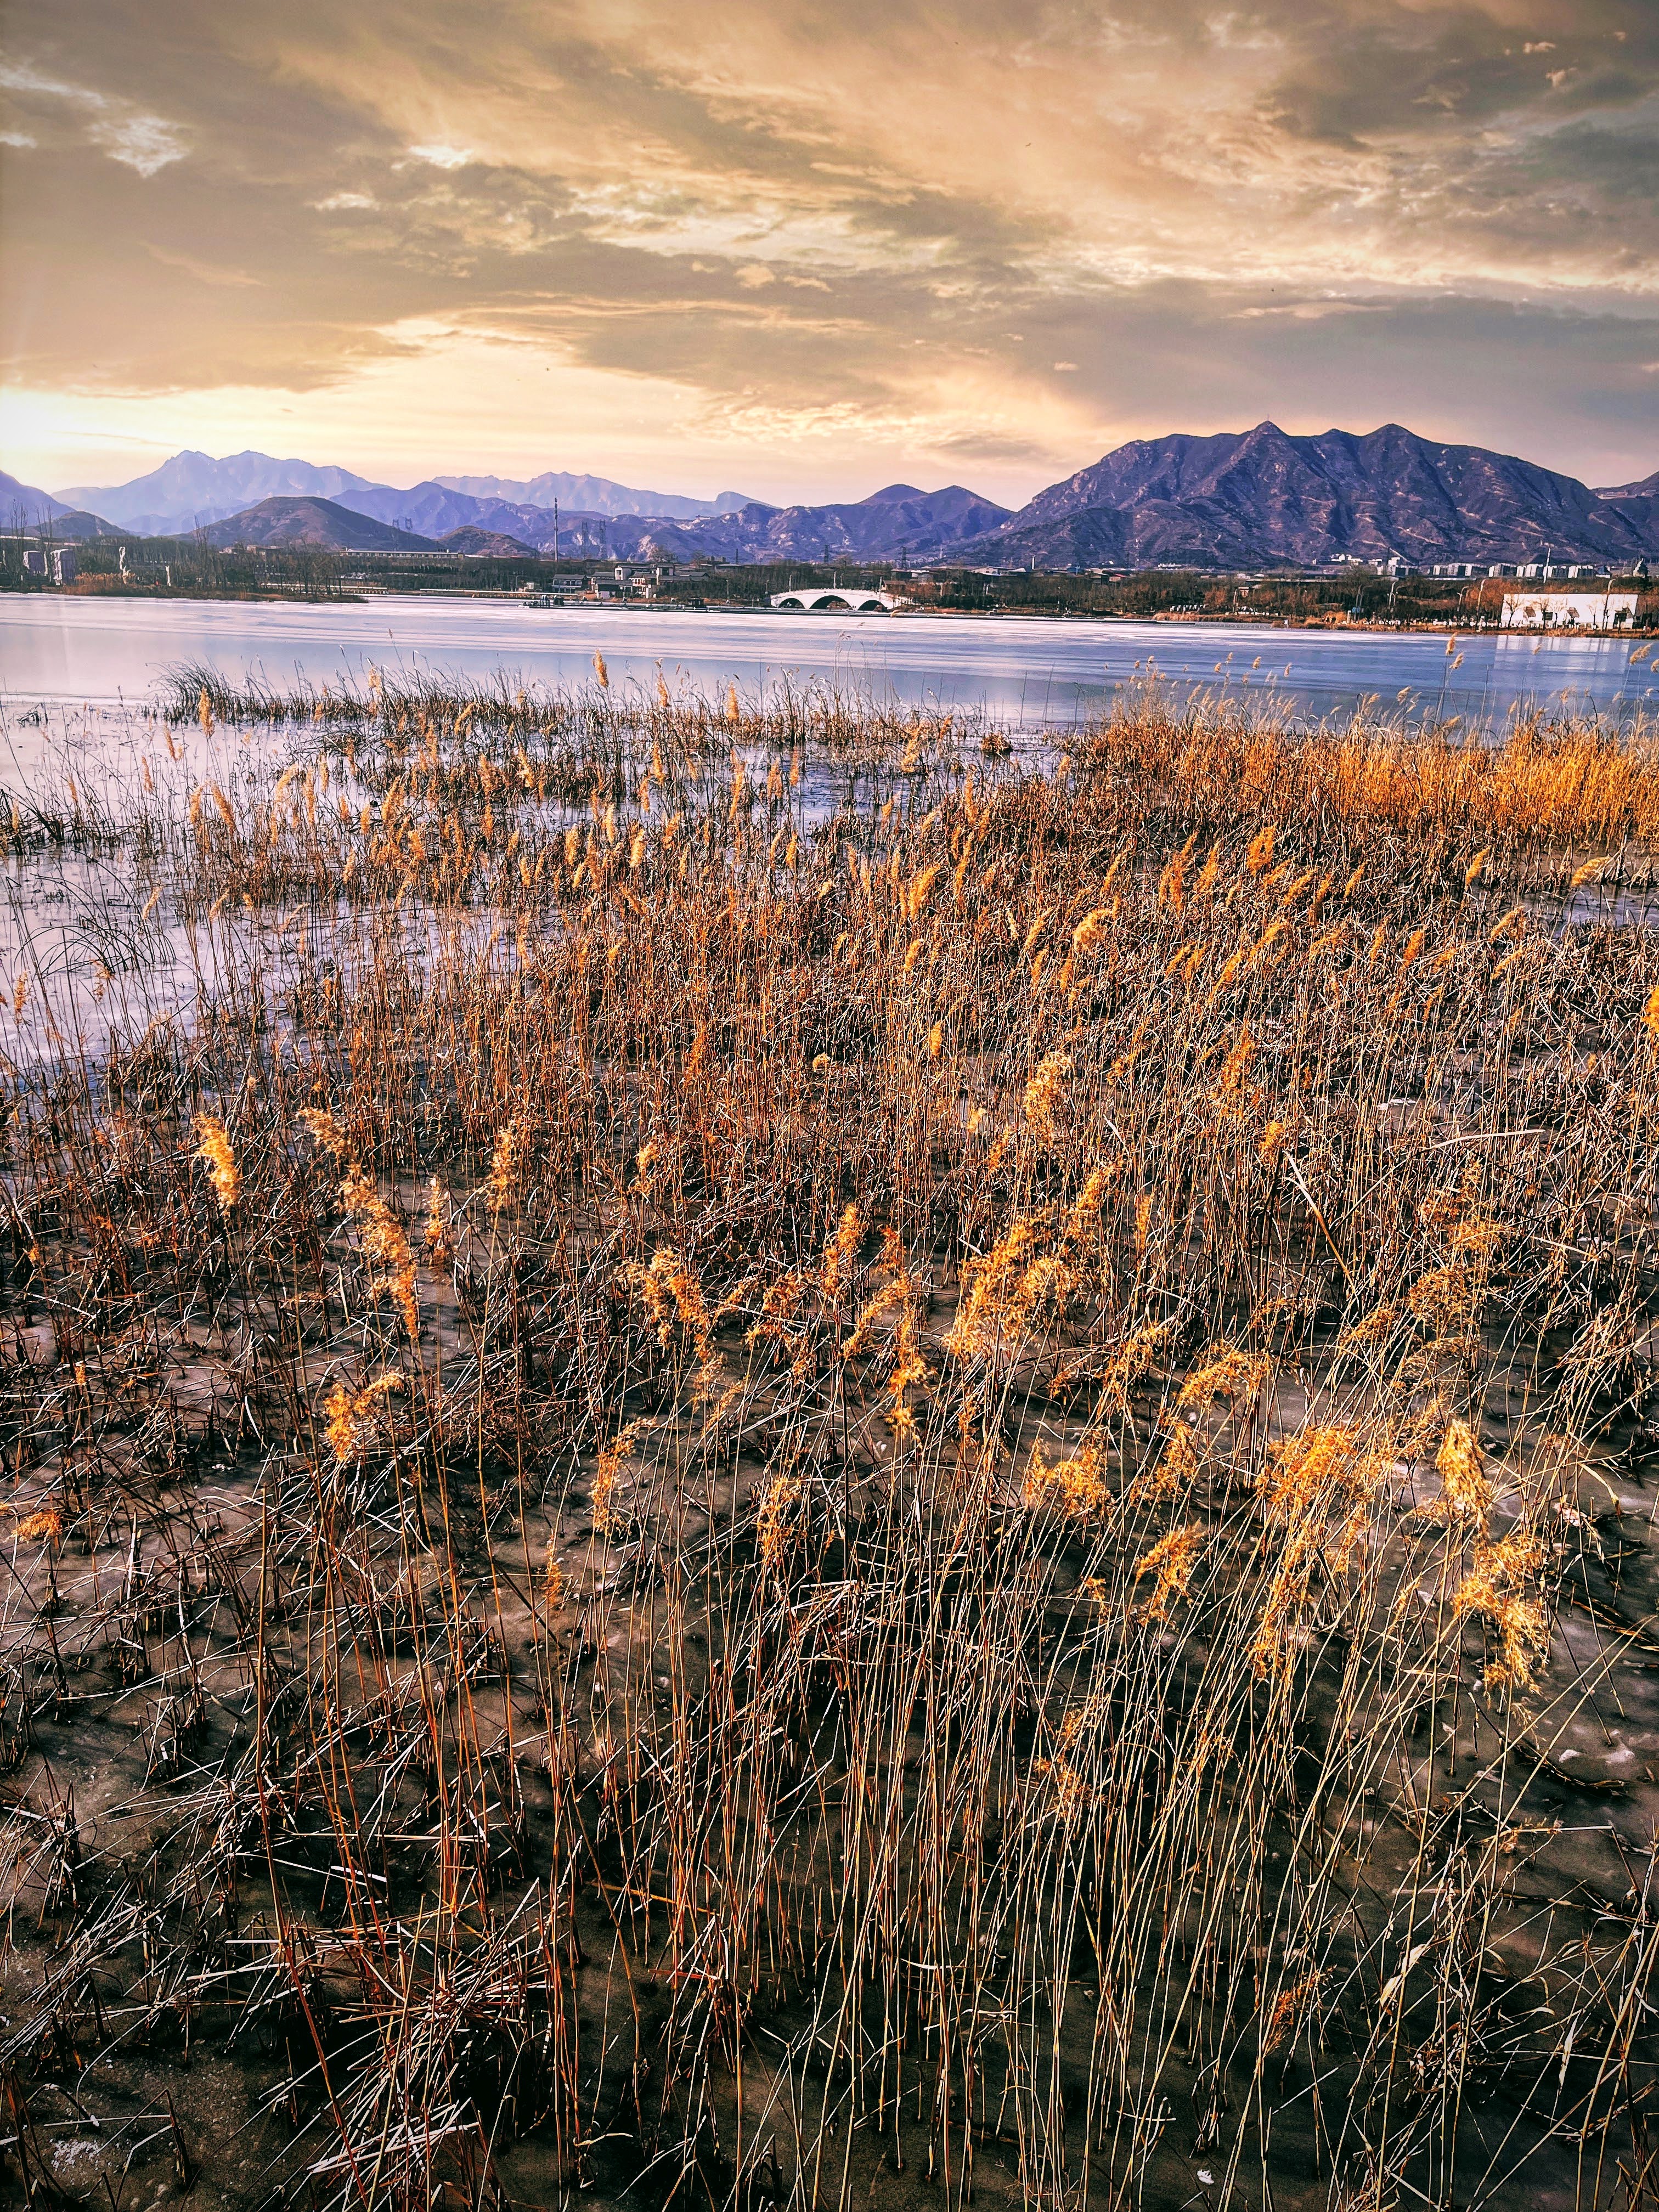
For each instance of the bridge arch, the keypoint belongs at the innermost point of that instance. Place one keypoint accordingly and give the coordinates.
(813, 598)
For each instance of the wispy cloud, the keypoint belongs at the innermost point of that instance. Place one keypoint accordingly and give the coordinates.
(144, 142)
(205, 272)
(126, 133)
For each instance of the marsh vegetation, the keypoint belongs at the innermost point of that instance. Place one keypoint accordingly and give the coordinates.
(755, 1456)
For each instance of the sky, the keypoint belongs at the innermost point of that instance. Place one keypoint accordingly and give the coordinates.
(803, 251)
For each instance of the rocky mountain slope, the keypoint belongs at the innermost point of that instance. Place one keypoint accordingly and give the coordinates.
(1261, 498)
(432, 510)
(308, 521)
(469, 539)
(888, 525)
(898, 521)
(1640, 503)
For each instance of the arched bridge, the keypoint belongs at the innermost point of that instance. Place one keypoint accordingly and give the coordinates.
(808, 598)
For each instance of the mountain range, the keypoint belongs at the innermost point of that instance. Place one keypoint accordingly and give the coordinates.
(592, 496)
(1261, 498)
(1254, 499)
(895, 523)
(193, 489)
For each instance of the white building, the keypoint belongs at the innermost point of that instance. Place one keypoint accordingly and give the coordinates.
(1568, 610)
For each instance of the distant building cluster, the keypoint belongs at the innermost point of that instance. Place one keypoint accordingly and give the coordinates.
(1544, 571)
(634, 580)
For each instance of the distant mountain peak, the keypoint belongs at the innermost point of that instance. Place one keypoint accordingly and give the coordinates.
(191, 489)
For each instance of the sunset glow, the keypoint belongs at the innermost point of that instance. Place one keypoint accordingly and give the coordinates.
(761, 248)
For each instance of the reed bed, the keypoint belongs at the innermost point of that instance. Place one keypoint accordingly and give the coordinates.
(754, 1456)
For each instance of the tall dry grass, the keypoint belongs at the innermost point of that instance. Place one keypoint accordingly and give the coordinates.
(768, 1460)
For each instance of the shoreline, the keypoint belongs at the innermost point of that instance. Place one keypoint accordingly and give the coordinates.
(1324, 625)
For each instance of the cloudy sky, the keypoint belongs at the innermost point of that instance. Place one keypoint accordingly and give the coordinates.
(804, 250)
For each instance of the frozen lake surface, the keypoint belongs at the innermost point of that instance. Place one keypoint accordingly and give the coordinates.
(1029, 672)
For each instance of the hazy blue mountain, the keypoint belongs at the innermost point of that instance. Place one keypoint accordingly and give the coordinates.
(25, 506)
(27, 503)
(193, 487)
(429, 508)
(1647, 489)
(1261, 498)
(594, 496)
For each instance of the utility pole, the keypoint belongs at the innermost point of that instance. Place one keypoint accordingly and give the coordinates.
(555, 533)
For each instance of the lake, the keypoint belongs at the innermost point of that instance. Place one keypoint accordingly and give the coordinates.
(72, 671)
(1028, 672)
